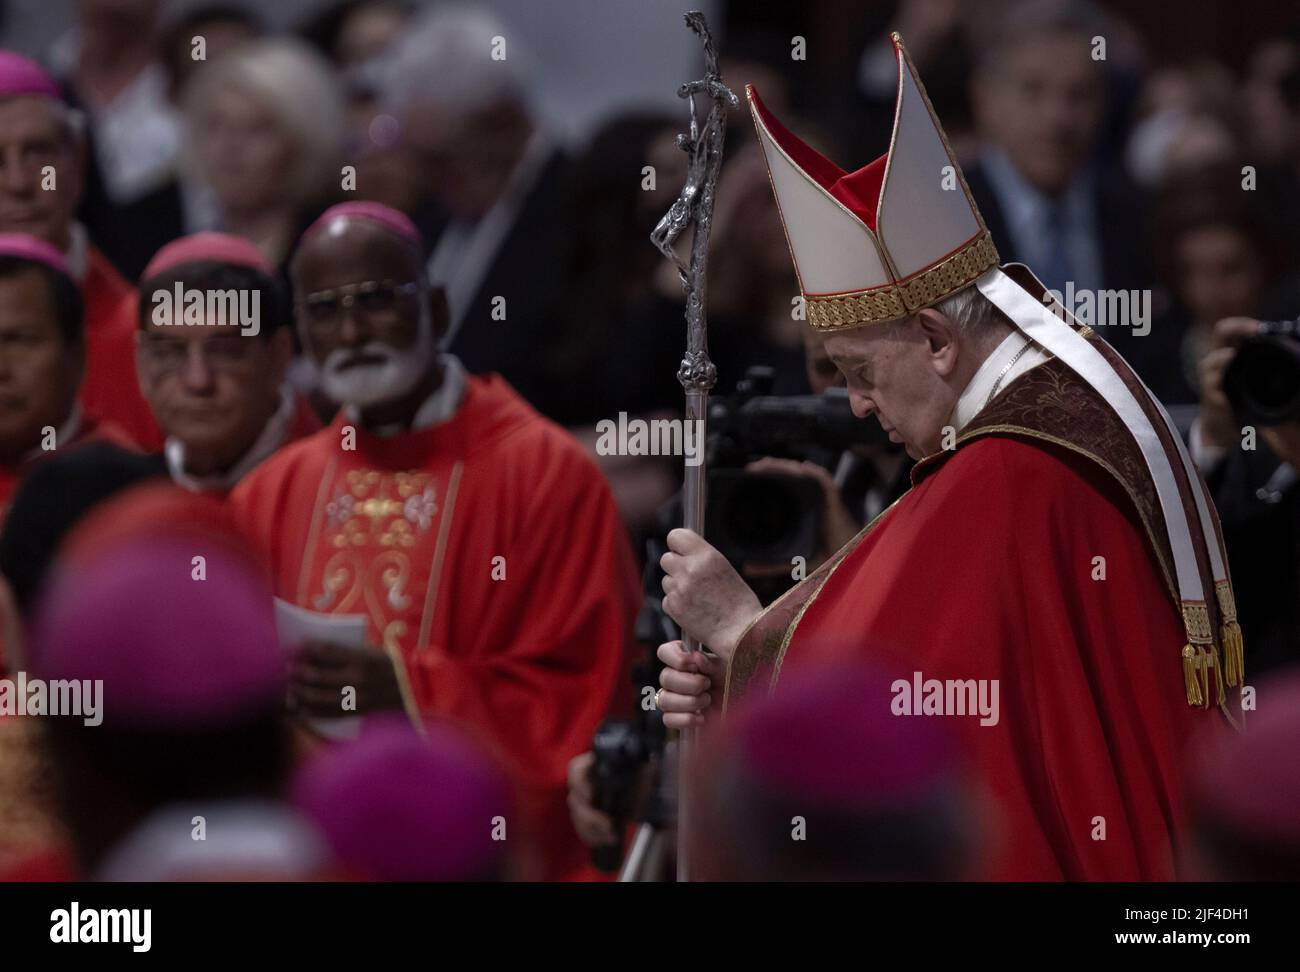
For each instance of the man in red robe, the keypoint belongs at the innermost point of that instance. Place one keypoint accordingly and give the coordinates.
(213, 350)
(44, 156)
(42, 357)
(478, 539)
(1046, 581)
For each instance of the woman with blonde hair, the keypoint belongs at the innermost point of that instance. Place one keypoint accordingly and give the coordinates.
(265, 133)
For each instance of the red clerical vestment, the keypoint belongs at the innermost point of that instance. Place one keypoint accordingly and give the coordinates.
(988, 569)
(110, 389)
(488, 555)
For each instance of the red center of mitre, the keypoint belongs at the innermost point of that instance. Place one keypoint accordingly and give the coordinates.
(859, 191)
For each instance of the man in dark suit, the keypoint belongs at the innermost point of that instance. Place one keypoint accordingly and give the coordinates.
(499, 201)
(1046, 196)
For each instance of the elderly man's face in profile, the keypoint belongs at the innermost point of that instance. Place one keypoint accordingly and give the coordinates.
(896, 371)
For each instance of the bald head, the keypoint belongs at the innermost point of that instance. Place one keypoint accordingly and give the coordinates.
(341, 250)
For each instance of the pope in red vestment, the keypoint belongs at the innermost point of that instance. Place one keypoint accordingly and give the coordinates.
(1083, 773)
(480, 542)
(1053, 584)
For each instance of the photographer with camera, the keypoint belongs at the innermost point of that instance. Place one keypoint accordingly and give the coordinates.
(1246, 440)
(857, 484)
(793, 480)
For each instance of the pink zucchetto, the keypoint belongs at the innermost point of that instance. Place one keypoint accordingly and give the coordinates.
(884, 794)
(1245, 789)
(174, 650)
(21, 246)
(397, 805)
(397, 223)
(205, 247)
(22, 76)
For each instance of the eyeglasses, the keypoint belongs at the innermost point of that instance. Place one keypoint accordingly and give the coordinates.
(374, 301)
(225, 354)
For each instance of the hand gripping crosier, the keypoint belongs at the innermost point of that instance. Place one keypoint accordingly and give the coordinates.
(703, 146)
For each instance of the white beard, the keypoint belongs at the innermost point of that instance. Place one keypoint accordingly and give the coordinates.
(364, 385)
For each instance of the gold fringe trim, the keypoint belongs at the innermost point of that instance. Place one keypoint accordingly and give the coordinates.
(1196, 676)
(1234, 660)
(1191, 677)
(1198, 660)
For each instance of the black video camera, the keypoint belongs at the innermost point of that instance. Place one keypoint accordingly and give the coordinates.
(1263, 380)
(767, 518)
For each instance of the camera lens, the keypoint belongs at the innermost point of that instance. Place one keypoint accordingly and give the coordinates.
(1263, 381)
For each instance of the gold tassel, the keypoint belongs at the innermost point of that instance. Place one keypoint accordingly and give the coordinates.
(1233, 653)
(1234, 664)
(1191, 679)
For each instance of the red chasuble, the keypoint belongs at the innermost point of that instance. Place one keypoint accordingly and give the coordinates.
(988, 569)
(488, 554)
(110, 389)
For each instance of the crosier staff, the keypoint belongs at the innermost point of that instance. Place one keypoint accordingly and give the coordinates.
(703, 146)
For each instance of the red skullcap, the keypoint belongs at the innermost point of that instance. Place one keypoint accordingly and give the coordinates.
(203, 247)
(390, 219)
(22, 76)
(24, 247)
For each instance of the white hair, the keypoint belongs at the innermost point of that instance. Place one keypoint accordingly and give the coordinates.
(970, 311)
(446, 59)
(298, 86)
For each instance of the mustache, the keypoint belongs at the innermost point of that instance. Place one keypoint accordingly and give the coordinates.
(364, 356)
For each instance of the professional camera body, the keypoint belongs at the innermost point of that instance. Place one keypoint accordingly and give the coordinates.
(752, 518)
(767, 518)
(1263, 380)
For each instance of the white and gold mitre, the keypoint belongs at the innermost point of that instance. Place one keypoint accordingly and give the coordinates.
(897, 235)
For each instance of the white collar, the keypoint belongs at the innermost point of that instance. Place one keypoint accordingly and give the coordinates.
(272, 436)
(439, 407)
(982, 383)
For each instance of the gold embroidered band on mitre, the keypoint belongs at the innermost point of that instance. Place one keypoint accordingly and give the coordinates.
(894, 300)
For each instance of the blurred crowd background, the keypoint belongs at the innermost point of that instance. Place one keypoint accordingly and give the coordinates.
(1173, 164)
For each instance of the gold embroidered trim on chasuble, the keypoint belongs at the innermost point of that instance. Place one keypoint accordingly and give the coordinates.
(372, 525)
(1050, 402)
